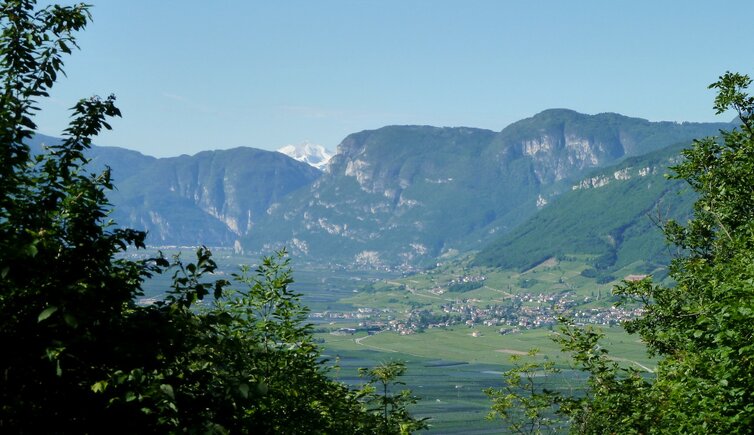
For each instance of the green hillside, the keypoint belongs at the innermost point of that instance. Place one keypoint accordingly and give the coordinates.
(615, 222)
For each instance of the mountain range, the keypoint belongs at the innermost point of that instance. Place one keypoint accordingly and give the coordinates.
(406, 195)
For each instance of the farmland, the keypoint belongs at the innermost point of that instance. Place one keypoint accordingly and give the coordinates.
(362, 318)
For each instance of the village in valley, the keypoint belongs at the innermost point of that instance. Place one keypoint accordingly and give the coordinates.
(468, 301)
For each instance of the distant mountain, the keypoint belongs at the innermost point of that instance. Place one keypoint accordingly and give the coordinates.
(385, 197)
(408, 194)
(120, 160)
(314, 155)
(213, 197)
(612, 215)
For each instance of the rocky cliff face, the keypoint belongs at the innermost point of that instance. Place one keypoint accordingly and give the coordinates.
(561, 144)
(556, 158)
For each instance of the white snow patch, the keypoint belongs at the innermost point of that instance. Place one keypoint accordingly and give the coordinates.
(311, 154)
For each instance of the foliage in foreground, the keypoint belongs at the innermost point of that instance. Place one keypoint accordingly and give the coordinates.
(390, 408)
(700, 329)
(80, 356)
(525, 403)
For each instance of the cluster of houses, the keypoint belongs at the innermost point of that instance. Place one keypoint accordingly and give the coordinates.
(519, 312)
(359, 314)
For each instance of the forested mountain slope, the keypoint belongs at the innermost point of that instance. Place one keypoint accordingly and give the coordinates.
(614, 215)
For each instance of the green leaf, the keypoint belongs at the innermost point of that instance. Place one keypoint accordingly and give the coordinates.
(262, 388)
(30, 250)
(168, 390)
(244, 389)
(99, 387)
(47, 312)
(70, 320)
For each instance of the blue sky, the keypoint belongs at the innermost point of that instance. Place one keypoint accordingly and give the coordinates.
(197, 75)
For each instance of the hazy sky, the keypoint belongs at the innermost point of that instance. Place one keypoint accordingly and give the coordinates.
(195, 75)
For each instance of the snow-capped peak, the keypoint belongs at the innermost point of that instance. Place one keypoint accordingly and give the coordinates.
(314, 155)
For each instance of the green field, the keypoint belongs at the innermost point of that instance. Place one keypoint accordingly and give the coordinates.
(450, 393)
(449, 369)
(489, 347)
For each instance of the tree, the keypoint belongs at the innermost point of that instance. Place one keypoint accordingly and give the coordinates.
(388, 408)
(63, 294)
(256, 367)
(80, 356)
(699, 329)
(525, 403)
